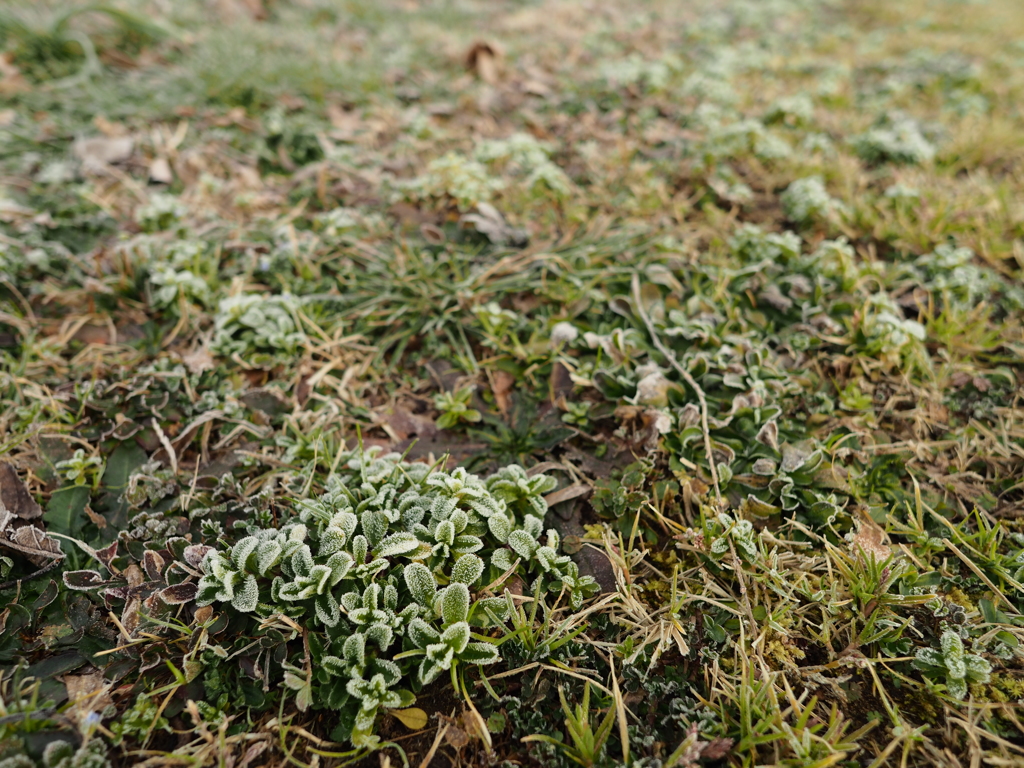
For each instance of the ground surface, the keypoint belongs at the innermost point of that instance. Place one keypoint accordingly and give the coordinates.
(601, 241)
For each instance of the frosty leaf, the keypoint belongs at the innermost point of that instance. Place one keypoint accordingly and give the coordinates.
(480, 653)
(978, 669)
(268, 555)
(381, 634)
(456, 636)
(339, 563)
(246, 596)
(464, 545)
(523, 543)
(953, 654)
(178, 594)
(242, 550)
(495, 605)
(421, 583)
(929, 657)
(302, 560)
(422, 634)
(455, 603)
(397, 544)
(375, 526)
(445, 532)
(331, 540)
(354, 650)
(500, 527)
(351, 601)
(439, 658)
(503, 559)
(359, 548)
(467, 569)
(334, 666)
(327, 610)
(82, 580)
(957, 687)
(546, 557)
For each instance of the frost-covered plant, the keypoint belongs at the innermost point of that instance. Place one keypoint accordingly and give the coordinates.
(884, 330)
(951, 663)
(80, 469)
(455, 408)
(636, 70)
(806, 200)
(61, 754)
(453, 175)
(523, 156)
(250, 324)
(951, 270)
(753, 244)
(170, 283)
(897, 141)
(710, 88)
(382, 571)
(742, 137)
(163, 212)
(796, 108)
(725, 530)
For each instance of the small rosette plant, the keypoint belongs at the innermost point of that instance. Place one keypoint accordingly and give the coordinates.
(385, 573)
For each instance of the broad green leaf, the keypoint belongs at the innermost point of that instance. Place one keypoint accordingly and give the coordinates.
(66, 511)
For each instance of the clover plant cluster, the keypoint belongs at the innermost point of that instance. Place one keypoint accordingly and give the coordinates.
(388, 572)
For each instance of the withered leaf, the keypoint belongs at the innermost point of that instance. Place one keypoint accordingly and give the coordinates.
(87, 693)
(565, 494)
(83, 579)
(15, 496)
(153, 564)
(195, 553)
(178, 594)
(870, 539)
(39, 548)
(98, 152)
(483, 58)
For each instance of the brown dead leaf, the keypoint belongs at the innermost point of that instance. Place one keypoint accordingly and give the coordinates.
(199, 360)
(502, 384)
(11, 79)
(39, 548)
(484, 58)
(253, 752)
(490, 223)
(403, 423)
(456, 737)
(160, 171)
(15, 496)
(204, 614)
(87, 693)
(133, 574)
(130, 618)
(870, 538)
(568, 493)
(109, 128)
(474, 726)
(98, 152)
